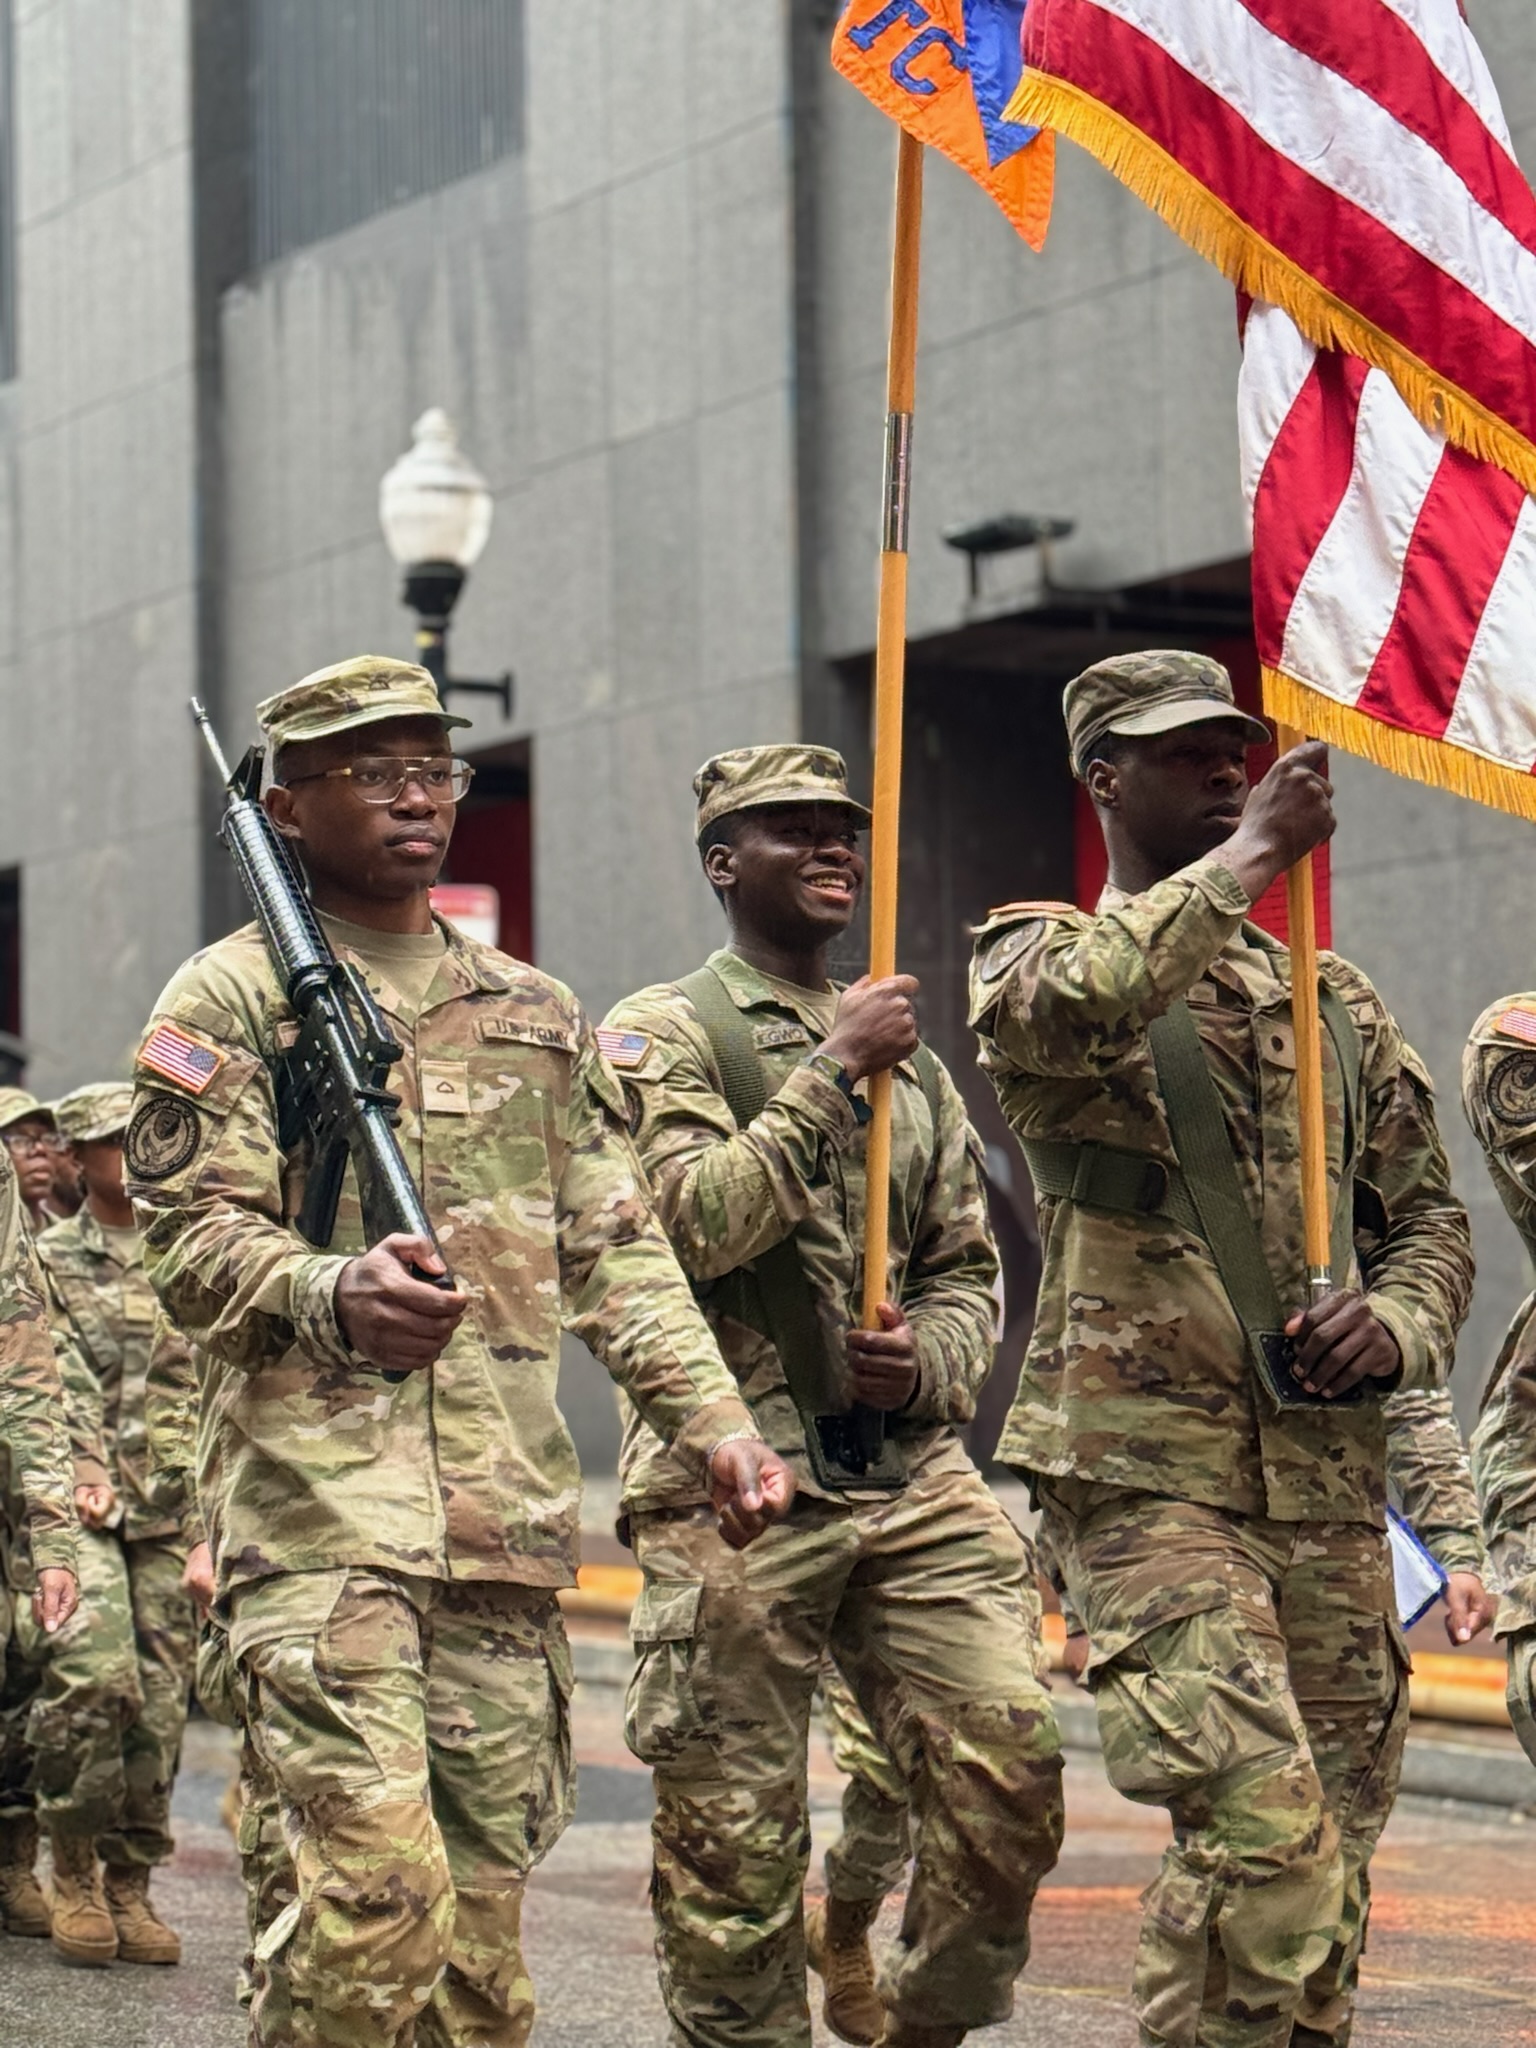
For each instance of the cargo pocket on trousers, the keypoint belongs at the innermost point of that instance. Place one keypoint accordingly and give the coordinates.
(1518, 1688)
(1186, 1702)
(667, 1710)
(555, 1798)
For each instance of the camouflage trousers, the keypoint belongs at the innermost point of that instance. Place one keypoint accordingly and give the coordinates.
(1249, 1677)
(1520, 1690)
(19, 1678)
(106, 1724)
(869, 1858)
(417, 1735)
(926, 1597)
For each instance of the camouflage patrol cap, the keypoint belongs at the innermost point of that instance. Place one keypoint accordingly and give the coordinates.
(90, 1115)
(1156, 691)
(363, 691)
(748, 777)
(16, 1103)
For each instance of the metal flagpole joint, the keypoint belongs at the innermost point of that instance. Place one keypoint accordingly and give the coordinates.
(898, 483)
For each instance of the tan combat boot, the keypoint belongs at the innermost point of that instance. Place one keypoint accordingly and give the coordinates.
(82, 1929)
(23, 1909)
(837, 1947)
(142, 1936)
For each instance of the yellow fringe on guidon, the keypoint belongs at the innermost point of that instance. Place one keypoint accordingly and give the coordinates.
(1258, 268)
(1405, 753)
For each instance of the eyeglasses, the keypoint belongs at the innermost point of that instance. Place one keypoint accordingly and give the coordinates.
(35, 1141)
(381, 778)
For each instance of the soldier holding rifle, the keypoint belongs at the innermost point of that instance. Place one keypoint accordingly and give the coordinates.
(392, 1494)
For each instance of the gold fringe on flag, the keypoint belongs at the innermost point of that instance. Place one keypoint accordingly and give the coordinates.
(1414, 754)
(1255, 266)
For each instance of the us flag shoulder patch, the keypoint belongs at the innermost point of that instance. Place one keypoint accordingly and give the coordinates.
(1517, 1022)
(181, 1058)
(623, 1049)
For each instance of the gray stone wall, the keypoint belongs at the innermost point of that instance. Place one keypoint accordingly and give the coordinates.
(608, 318)
(97, 799)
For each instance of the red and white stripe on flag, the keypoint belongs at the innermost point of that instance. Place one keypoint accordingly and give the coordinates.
(1346, 160)
(1394, 576)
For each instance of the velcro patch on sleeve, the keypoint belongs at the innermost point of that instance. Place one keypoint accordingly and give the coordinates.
(176, 1055)
(1517, 1022)
(624, 1050)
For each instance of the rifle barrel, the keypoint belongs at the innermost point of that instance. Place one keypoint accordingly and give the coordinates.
(205, 726)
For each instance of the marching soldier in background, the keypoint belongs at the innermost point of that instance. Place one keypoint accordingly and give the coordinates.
(252, 1809)
(1214, 1497)
(38, 1545)
(1429, 1471)
(106, 1726)
(30, 1133)
(391, 1492)
(744, 1085)
(1498, 1092)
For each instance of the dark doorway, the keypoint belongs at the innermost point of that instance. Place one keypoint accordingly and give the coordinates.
(493, 841)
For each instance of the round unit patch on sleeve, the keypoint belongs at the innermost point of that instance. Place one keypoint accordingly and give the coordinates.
(1512, 1088)
(1002, 952)
(164, 1134)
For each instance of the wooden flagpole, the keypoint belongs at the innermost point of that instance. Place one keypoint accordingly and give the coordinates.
(1306, 1018)
(890, 679)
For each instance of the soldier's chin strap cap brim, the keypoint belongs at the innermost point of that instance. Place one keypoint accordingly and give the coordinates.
(856, 811)
(1166, 717)
(1158, 718)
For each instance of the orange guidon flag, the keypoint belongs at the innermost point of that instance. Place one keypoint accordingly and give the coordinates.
(946, 70)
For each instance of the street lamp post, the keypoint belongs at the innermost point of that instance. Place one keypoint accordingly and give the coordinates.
(436, 511)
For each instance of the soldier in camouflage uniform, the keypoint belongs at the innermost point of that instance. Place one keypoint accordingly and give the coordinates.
(252, 1809)
(38, 1545)
(1224, 1551)
(1498, 1092)
(106, 1726)
(910, 1571)
(391, 1493)
(30, 1133)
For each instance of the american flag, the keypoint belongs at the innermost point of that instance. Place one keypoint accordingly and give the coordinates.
(1394, 576)
(1349, 165)
(623, 1049)
(180, 1058)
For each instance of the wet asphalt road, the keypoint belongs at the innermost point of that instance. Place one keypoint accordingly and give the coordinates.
(1452, 1960)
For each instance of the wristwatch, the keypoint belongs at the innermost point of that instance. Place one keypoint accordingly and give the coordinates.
(833, 1070)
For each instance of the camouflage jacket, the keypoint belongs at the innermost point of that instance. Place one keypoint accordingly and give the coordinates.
(725, 1195)
(1428, 1470)
(102, 1313)
(1498, 1092)
(172, 1406)
(513, 1126)
(37, 1498)
(1138, 1372)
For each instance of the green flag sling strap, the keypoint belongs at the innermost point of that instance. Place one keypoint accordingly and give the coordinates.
(775, 1297)
(1202, 1193)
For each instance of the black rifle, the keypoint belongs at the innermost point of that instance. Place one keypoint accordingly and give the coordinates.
(330, 1083)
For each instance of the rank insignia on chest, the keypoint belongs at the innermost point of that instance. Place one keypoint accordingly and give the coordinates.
(1517, 1022)
(181, 1058)
(623, 1049)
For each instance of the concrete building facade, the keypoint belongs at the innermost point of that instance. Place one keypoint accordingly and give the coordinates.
(640, 255)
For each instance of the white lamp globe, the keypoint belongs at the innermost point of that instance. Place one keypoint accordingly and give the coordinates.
(434, 505)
